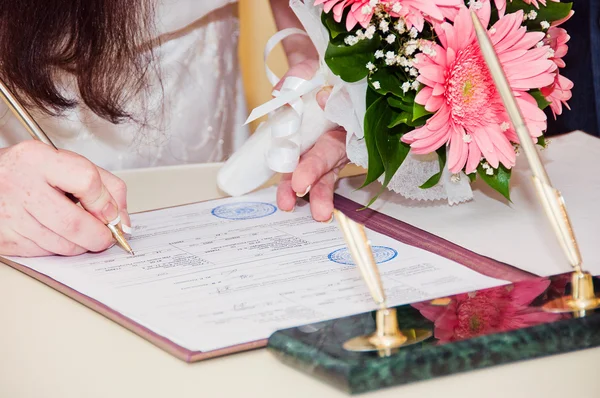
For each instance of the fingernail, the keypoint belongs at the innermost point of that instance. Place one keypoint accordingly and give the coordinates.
(290, 211)
(126, 228)
(110, 212)
(323, 96)
(328, 221)
(125, 222)
(305, 192)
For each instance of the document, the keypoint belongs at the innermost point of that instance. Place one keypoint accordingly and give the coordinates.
(216, 274)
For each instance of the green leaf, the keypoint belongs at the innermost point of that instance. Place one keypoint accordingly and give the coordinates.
(374, 120)
(400, 118)
(433, 181)
(372, 96)
(551, 12)
(335, 28)
(390, 83)
(472, 177)
(399, 104)
(541, 141)
(392, 150)
(349, 62)
(419, 111)
(499, 181)
(541, 100)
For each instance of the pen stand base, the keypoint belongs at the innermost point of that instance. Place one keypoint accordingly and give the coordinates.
(582, 299)
(464, 332)
(387, 336)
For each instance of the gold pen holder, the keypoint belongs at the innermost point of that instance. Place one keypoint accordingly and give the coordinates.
(387, 337)
(582, 299)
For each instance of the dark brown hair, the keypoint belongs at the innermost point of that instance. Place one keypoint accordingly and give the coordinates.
(103, 44)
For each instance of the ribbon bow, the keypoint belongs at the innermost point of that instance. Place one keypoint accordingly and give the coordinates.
(283, 154)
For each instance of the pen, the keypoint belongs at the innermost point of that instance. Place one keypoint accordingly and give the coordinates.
(360, 249)
(551, 199)
(38, 134)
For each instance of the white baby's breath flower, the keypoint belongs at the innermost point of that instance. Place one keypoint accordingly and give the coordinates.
(476, 4)
(384, 26)
(532, 15)
(504, 126)
(492, 30)
(391, 38)
(405, 86)
(379, 54)
(413, 32)
(410, 49)
(370, 66)
(376, 85)
(400, 27)
(397, 7)
(351, 40)
(414, 72)
(467, 138)
(370, 31)
(415, 85)
(489, 171)
(545, 24)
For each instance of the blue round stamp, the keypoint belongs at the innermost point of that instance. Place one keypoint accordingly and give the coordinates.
(244, 210)
(382, 255)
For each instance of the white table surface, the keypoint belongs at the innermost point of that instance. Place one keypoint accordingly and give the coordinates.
(53, 347)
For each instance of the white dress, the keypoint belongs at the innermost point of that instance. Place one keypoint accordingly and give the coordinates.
(204, 103)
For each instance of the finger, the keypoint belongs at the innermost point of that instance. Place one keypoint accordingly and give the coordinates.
(304, 70)
(286, 197)
(321, 198)
(53, 210)
(46, 239)
(13, 244)
(328, 153)
(118, 190)
(75, 174)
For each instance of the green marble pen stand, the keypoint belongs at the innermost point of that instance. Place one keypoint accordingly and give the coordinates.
(469, 331)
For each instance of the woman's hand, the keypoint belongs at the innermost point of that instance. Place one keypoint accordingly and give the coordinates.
(37, 219)
(318, 169)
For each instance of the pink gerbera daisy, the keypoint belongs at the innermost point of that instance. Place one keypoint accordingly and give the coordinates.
(560, 91)
(469, 113)
(488, 311)
(412, 11)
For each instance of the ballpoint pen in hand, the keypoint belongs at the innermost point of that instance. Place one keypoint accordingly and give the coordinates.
(38, 134)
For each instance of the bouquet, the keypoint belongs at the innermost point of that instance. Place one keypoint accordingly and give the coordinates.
(428, 90)
(412, 90)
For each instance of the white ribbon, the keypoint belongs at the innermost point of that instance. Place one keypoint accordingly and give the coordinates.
(285, 149)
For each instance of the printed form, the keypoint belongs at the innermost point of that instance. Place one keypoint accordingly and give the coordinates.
(216, 274)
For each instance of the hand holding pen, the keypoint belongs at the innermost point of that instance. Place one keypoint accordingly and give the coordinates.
(40, 189)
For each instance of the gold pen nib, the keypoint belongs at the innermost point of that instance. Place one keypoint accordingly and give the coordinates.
(118, 235)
